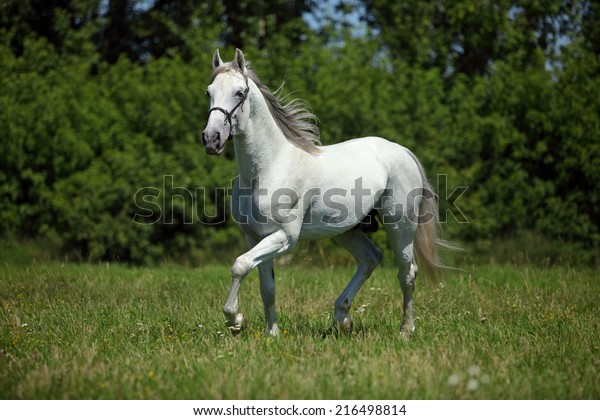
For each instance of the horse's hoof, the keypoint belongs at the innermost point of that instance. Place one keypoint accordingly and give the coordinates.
(272, 332)
(344, 324)
(406, 331)
(238, 324)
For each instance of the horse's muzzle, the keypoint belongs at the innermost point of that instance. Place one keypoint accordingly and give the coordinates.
(213, 143)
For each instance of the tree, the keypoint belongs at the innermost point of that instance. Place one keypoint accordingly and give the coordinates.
(467, 37)
(54, 20)
(99, 99)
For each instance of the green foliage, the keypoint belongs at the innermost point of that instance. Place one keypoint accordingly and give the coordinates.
(86, 130)
(79, 148)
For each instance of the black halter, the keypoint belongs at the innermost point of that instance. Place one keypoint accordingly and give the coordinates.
(229, 114)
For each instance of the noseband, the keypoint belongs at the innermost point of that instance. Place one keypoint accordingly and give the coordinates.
(229, 114)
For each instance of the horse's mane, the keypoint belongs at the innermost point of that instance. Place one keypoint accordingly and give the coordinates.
(296, 122)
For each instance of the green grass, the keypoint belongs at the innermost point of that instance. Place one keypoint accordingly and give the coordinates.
(109, 331)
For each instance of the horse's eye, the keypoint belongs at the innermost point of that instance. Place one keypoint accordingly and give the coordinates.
(240, 94)
(207, 94)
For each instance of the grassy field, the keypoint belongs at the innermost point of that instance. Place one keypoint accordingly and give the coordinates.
(108, 331)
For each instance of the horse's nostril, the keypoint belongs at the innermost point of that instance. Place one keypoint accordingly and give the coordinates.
(204, 142)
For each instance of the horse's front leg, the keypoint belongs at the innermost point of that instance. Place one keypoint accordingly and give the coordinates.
(267, 292)
(275, 244)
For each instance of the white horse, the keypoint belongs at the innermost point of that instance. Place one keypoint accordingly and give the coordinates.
(291, 188)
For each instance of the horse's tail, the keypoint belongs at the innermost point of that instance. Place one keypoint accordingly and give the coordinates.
(426, 242)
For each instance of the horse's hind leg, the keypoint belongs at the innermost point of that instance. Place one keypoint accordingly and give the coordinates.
(401, 236)
(367, 257)
(407, 284)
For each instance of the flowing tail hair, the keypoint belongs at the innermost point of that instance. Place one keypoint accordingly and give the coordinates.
(426, 242)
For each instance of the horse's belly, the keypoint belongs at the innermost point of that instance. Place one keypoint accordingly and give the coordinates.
(311, 232)
(330, 218)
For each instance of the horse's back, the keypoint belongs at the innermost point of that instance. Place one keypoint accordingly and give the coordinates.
(368, 155)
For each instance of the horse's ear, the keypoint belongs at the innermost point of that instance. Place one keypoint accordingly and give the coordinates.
(217, 59)
(240, 61)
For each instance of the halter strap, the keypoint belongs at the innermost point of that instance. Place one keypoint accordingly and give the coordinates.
(229, 114)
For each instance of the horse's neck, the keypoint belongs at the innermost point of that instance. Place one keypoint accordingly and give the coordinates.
(261, 143)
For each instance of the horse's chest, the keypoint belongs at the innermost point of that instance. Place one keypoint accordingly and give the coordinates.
(260, 211)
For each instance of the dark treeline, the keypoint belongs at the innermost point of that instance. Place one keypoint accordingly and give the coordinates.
(102, 99)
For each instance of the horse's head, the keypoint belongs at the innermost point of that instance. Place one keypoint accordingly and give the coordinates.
(227, 94)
